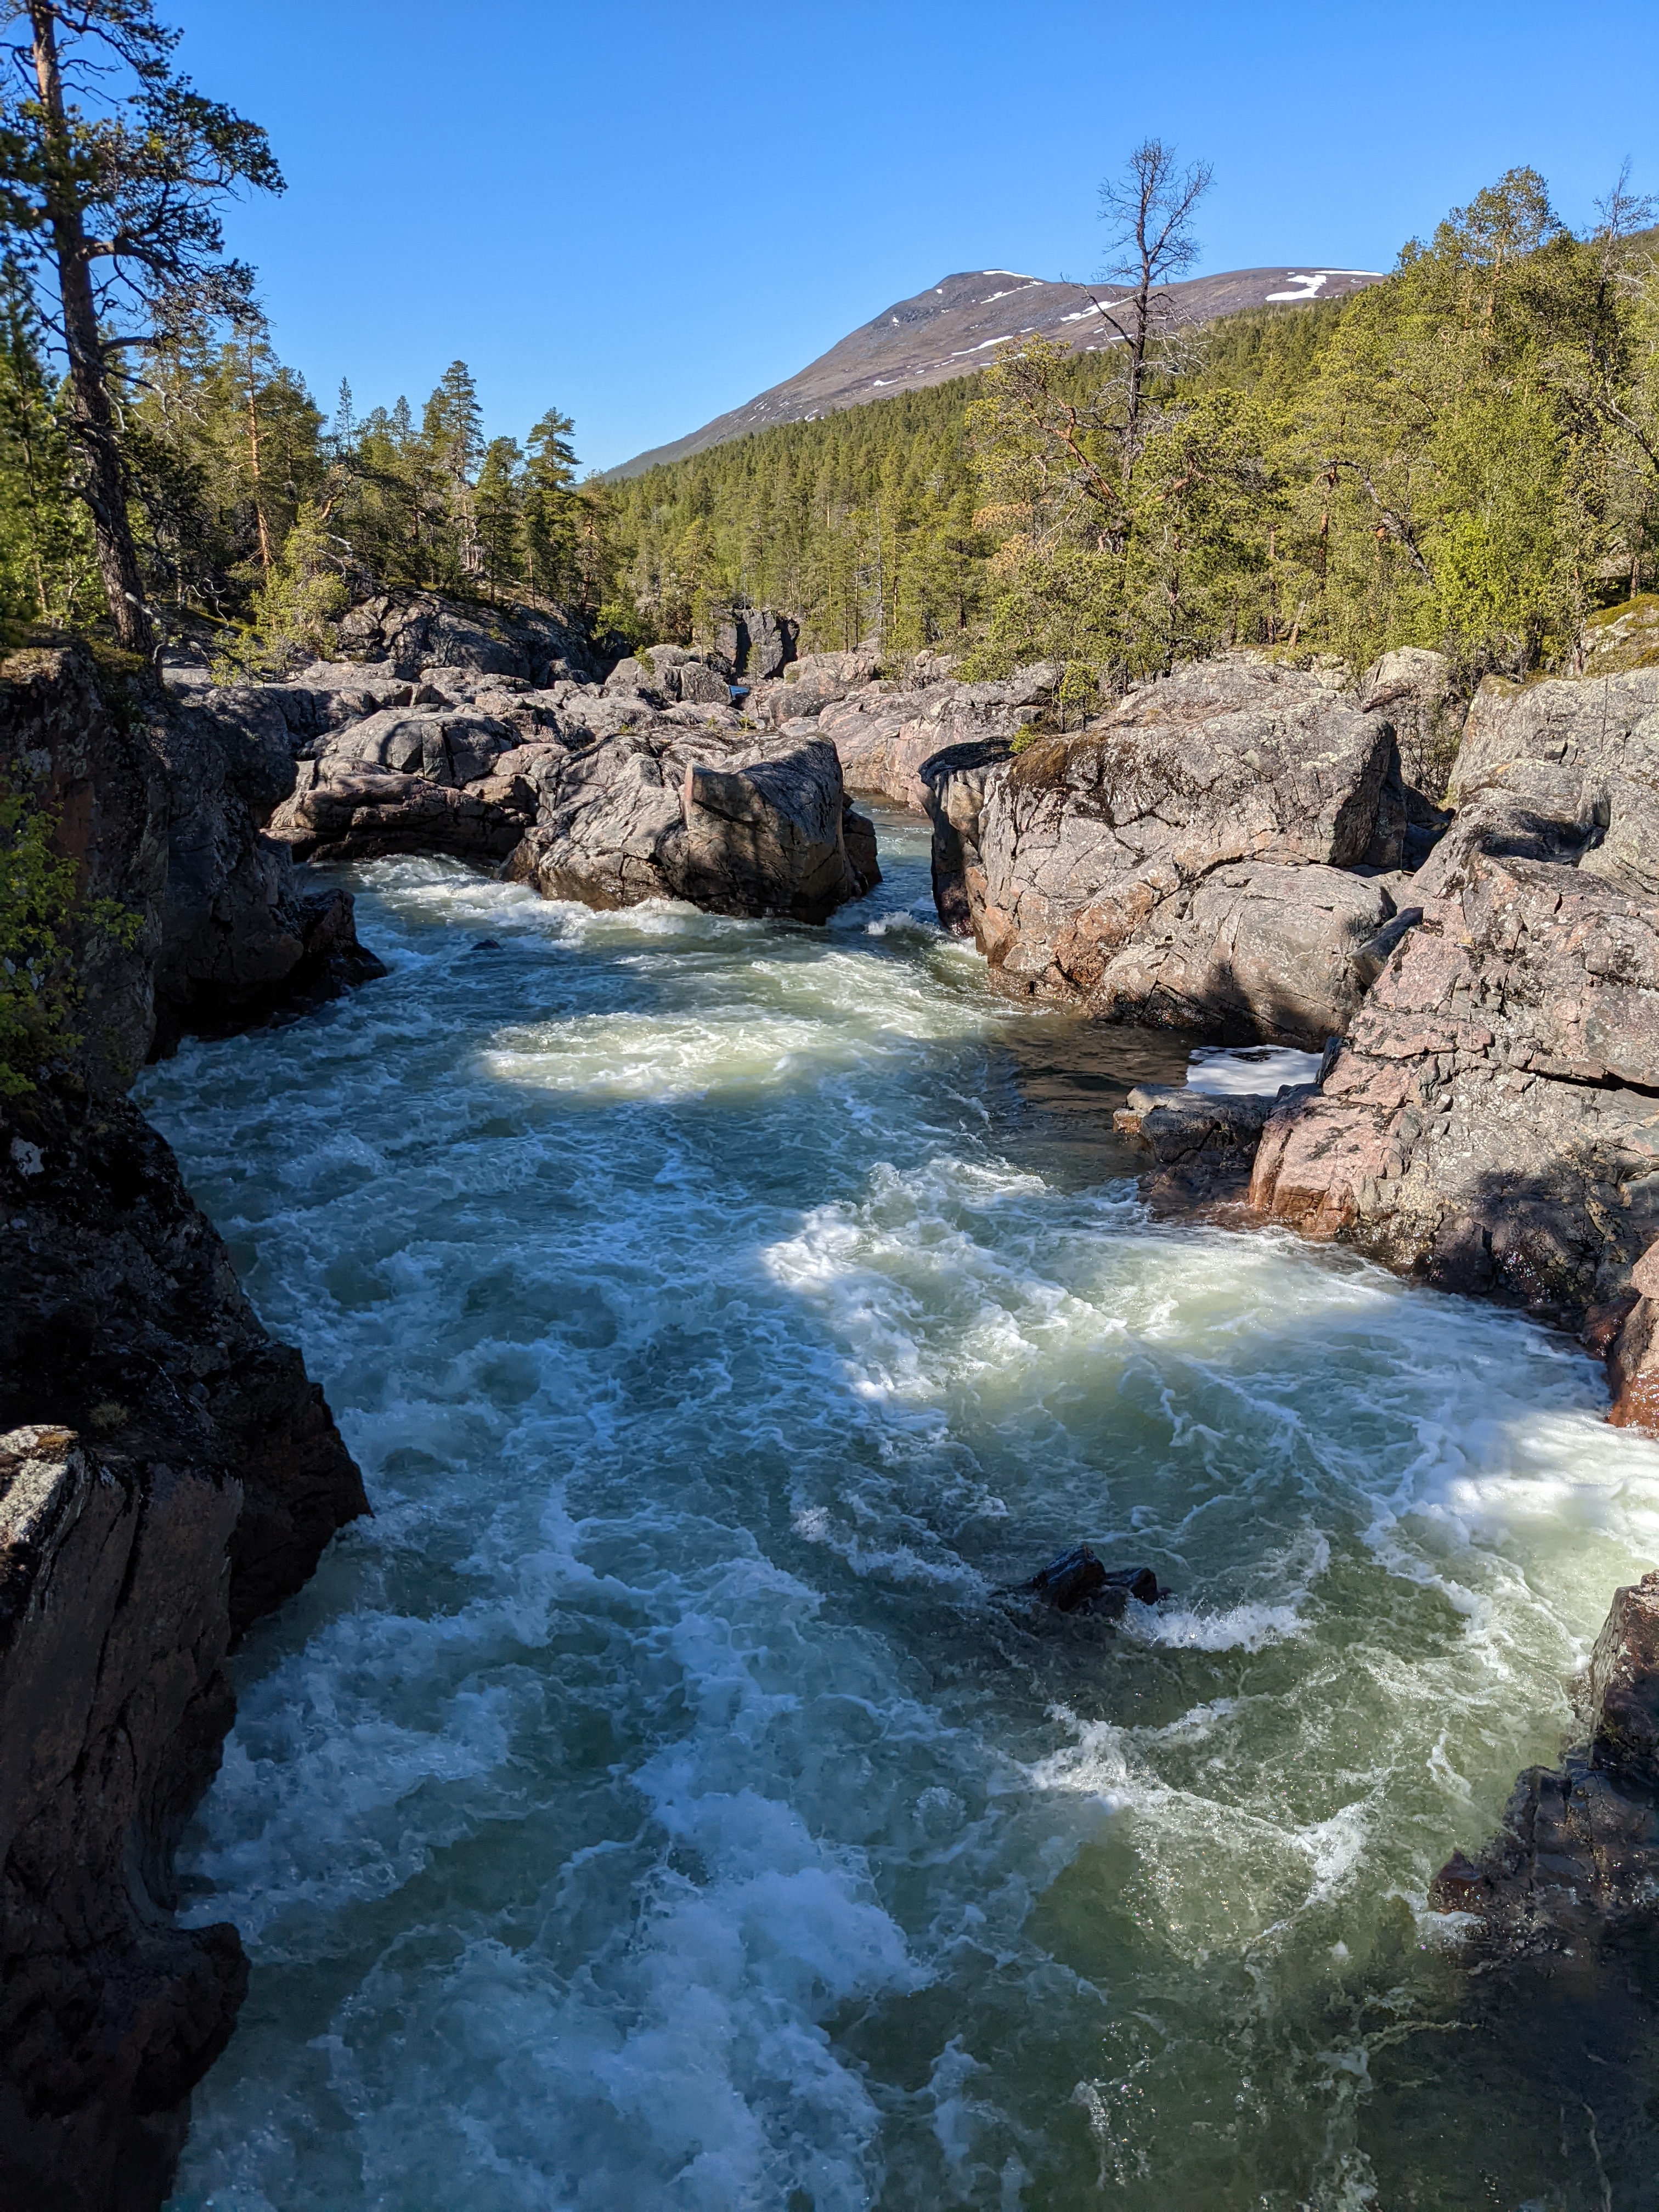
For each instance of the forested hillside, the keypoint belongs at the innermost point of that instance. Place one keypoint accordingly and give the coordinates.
(1465, 456)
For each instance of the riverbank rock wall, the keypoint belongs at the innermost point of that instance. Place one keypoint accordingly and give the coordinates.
(1225, 852)
(168, 1473)
(1491, 1119)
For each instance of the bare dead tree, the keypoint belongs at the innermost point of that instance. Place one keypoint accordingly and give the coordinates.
(1150, 207)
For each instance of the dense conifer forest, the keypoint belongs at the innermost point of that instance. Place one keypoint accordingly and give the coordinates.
(1465, 456)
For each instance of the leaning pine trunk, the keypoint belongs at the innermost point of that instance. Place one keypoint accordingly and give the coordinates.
(103, 488)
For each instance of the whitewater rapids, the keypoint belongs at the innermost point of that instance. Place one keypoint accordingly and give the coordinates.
(657, 1804)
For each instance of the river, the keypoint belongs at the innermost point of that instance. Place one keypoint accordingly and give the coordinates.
(658, 1803)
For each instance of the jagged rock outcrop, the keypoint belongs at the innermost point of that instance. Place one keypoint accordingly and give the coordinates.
(161, 805)
(169, 1472)
(1492, 1120)
(755, 644)
(739, 827)
(1578, 1855)
(178, 1476)
(1221, 852)
(415, 633)
(607, 793)
(811, 683)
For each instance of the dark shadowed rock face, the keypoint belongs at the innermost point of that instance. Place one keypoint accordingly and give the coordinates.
(161, 804)
(1578, 1855)
(169, 1473)
(1202, 1146)
(1190, 859)
(1492, 1120)
(172, 1473)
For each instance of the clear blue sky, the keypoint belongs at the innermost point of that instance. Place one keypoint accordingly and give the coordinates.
(645, 213)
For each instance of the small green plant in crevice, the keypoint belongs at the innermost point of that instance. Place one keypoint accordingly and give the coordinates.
(295, 610)
(40, 915)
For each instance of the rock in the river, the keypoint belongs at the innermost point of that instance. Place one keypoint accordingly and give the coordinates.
(1492, 1121)
(737, 826)
(1203, 1146)
(1577, 1856)
(1190, 859)
(1079, 1581)
(170, 1475)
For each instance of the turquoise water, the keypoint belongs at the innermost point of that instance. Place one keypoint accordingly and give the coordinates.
(659, 1804)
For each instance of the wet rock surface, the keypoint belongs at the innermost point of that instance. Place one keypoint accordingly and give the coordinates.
(1203, 1146)
(1081, 1581)
(1577, 1858)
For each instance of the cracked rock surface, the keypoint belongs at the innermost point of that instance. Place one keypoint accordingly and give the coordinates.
(1220, 852)
(1492, 1121)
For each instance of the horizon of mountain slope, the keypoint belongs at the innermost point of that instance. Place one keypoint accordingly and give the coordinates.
(950, 330)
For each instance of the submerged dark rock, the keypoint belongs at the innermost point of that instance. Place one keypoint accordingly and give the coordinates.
(1078, 1581)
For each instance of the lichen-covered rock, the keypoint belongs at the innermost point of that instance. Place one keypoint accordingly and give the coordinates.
(1528, 740)
(172, 1473)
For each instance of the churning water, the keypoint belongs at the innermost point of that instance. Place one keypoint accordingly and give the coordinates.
(657, 1804)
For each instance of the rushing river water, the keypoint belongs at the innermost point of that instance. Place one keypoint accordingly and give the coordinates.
(657, 1805)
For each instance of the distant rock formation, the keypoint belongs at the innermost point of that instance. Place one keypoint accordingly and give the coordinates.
(648, 785)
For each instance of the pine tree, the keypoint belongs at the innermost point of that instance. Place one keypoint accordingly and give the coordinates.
(114, 170)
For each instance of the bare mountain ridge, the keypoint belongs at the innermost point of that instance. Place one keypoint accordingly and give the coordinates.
(957, 327)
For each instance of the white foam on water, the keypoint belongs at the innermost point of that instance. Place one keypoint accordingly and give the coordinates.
(1241, 1071)
(658, 1802)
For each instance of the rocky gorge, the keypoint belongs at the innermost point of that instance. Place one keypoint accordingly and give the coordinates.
(1454, 908)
